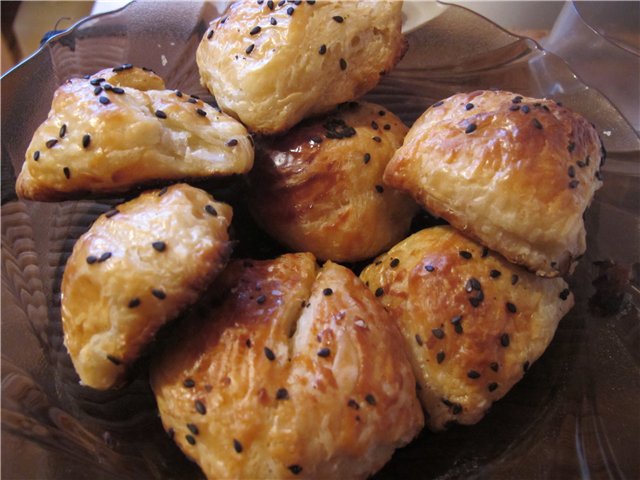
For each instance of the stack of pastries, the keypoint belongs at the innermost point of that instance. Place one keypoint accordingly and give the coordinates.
(294, 366)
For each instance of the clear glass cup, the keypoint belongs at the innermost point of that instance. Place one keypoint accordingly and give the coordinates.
(601, 43)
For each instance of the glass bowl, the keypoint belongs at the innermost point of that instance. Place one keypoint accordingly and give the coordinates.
(574, 415)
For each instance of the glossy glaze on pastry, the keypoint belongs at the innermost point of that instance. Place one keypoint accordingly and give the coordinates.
(271, 64)
(472, 322)
(319, 188)
(513, 172)
(293, 371)
(120, 128)
(135, 269)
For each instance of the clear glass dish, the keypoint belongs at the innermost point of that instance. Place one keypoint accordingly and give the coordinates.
(575, 414)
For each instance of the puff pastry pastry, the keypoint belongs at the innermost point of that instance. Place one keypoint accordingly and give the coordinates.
(135, 269)
(319, 187)
(120, 128)
(271, 63)
(472, 322)
(293, 372)
(515, 173)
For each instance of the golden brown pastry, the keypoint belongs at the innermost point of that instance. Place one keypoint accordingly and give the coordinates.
(272, 63)
(472, 322)
(513, 172)
(294, 372)
(319, 188)
(120, 128)
(135, 269)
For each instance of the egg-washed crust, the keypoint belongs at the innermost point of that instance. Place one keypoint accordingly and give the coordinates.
(318, 188)
(271, 64)
(135, 269)
(515, 173)
(119, 129)
(472, 322)
(293, 371)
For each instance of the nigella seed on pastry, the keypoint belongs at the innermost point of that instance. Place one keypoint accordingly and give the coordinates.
(210, 209)
(282, 394)
(86, 140)
(114, 360)
(66, 172)
(249, 49)
(504, 340)
(323, 49)
(201, 112)
(96, 81)
(200, 407)
(394, 262)
(494, 366)
(51, 143)
(366, 158)
(338, 19)
(525, 109)
(159, 246)
(36, 155)
(160, 114)
(327, 292)
(471, 128)
(438, 333)
(466, 255)
(379, 292)
(261, 299)
(232, 143)
(63, 130)
(440, 357)
(511, 308)
(191, 439)
(159, 294)
(295, 469)
(353, 404)
(343, 64)
(468, 106)
(370, 399)
(379, 189)
(418, 339)
(193, 428)
(118, 90)
(492, 386)
(290, 11)
(324, 352)
(104, 100)
(111, 213)
(537, 124)
(189, 383)
(134, 302)
(269, 354)
(104, 257)
(564, 294)
(472, 374)
(210, 34)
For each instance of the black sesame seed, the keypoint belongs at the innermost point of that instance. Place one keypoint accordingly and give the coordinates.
(353, 404)
(111, 213)
(36, 155)
(255, 30)
(162, 191)
(495, 273)
(438, 333)
(190, 439)
(86, 140)
(382, 113)
(525, 366)
(571, 171)
(573, 184)
(171, 433)
(91, 259)
(327, 291)
(281, 2)
(338, 18)
(475, 301)
(564, 294)
(471, 128)
(571, 147)
(200, 407)
(250, 49)
(210, 34)
(295, 469)
(211, 210)
(159, 246)
(429, 268)
(514, 108)
(376, 139)
(223, 20)
(261, 299)
(316, 139)
(290, 11)
(134, 302)
(201, 112)
(516, 99)
(107, 86)
(232, 143)
(343, 64)
(248, 343)
(104, 100)
(394, 263)
(324, 352)
(270, 4)
(118, 90)
(419, 339)
(269, 354)
(492, 386)
(456, 409)
(473, 374)
(51, 143)
(67, 172)
(379, 292)
(514, 279)
(282, 394)
(114, 360)
(598, 175)
(504, 340)
(440, 357)
(188, 383)
(160, 114)
(473, 284)
(193, 428)
(494, 366)
(511, 307)
(104, 257)
(323, 49)
(466, 255)
(537, 124)
(192, 100)
(371, 400)
(159, 294)
(63, 130)
(96, 81)
(374, 125)
(525, 109)
(457, 319)
(311, 2)
(468, 106)
(379, 188)
(437, 104)
(366, 159)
